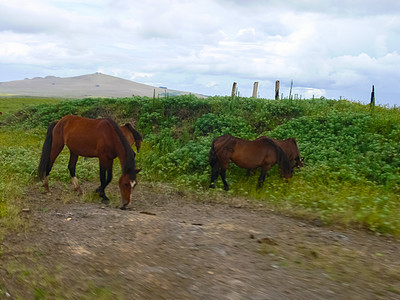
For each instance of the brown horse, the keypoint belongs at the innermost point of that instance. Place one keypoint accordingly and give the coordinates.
(245, 154)
(289, 146)
(132, 136)
(100, 138)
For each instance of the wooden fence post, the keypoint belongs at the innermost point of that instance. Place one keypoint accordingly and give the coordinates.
(234, 87)
(277, 90)
(290, 92)
(372, 103)
(255, 88)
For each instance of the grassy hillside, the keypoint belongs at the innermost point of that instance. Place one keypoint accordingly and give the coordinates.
(352, 162)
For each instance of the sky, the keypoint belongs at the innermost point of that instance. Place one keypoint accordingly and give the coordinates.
(331, 48)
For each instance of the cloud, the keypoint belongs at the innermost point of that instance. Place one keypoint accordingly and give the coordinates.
(203, 46)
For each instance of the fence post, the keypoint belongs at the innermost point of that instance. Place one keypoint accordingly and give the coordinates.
(290, 92)
(234, 86)
(255, 88)
(277, 90)
(372, 103)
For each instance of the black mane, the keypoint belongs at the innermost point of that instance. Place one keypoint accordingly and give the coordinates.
(129, 166)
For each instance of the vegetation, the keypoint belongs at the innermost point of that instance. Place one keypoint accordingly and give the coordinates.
(12, 103)
(352, 154)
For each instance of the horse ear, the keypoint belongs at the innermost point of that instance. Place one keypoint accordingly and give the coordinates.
(138, 170)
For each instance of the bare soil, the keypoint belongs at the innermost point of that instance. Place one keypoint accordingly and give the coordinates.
(171, 244)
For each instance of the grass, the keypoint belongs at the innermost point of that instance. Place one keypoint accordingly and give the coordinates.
(12, 104)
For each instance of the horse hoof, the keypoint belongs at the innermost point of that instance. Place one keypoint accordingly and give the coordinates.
(212, 186)
(105, 201)
(226, 188)
(123, 207)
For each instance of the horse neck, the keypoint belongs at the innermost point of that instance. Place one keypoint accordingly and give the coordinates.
(296, 148)
(123, 150)
(282, 160)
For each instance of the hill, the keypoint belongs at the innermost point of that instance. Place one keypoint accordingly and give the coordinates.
(91, 85)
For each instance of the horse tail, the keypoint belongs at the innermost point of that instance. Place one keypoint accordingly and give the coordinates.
(45, 157)
(212, 157)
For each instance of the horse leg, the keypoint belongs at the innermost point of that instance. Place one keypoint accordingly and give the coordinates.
(73, 159)
(222, 173)
(261, 179)
(108, 177)
(214, 174)
(105, 177)
(103, 184)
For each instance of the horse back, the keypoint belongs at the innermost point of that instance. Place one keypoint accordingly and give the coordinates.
(289, 146)
(252, 154)
(127, 134)
(88, 137)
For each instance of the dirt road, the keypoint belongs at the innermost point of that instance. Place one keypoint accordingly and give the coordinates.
(177, 245)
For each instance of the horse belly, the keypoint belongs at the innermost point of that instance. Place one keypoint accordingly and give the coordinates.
(82, 145)
(247, 160)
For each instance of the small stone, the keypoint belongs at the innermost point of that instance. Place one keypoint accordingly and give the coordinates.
(275, 266)
(318, 222)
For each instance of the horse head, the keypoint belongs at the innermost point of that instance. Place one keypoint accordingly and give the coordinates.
(127, 183)
(299, 162)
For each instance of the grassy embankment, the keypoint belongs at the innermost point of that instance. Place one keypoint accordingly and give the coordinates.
(352, 162)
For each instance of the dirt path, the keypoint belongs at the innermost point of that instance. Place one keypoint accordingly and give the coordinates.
(174, 245)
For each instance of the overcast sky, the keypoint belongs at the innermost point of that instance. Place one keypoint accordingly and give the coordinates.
(328, 48)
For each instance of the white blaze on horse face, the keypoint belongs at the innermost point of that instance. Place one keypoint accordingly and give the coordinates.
(133, 183)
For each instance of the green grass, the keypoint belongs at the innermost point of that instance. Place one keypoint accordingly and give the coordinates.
(12, 103)
(352, 161)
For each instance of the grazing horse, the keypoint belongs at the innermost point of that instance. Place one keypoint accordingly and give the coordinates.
(245, 154)
(100, 138)
(289, 146)
(132, 136)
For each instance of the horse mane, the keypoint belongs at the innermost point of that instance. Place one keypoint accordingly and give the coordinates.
(129, 166)
(283, 160)
(136, 135)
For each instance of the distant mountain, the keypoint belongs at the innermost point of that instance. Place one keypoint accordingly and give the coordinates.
(92, 85)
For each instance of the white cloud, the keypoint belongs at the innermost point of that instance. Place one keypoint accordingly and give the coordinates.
(202, 46)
